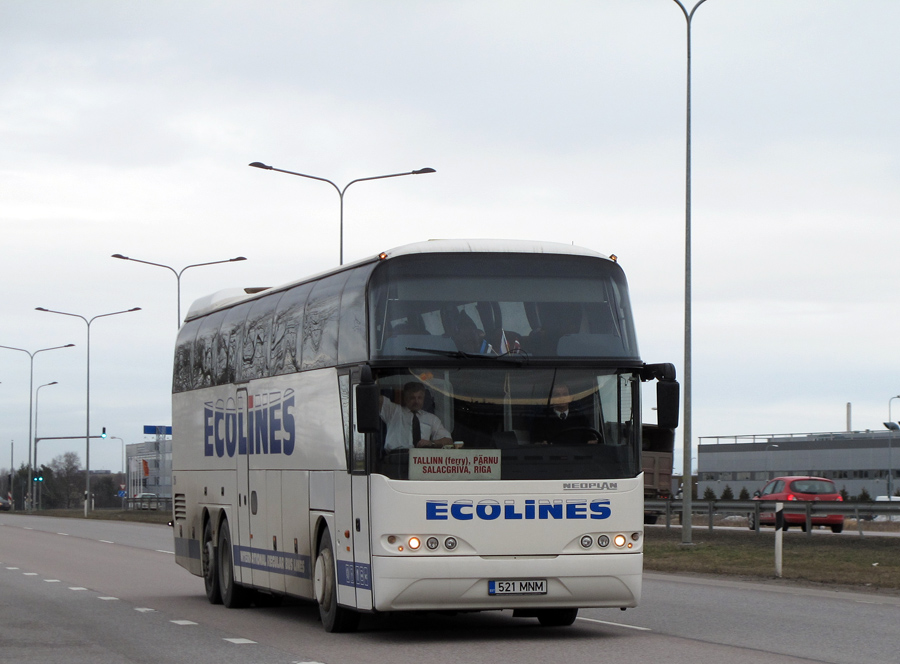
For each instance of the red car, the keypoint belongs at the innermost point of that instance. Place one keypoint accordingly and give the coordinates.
(786, 489)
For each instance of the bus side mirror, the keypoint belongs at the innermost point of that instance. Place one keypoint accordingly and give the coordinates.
(368, 419)
(668, 397)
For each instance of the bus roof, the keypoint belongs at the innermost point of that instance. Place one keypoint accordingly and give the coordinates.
(223, 298)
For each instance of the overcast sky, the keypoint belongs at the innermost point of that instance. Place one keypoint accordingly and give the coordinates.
(127, 127)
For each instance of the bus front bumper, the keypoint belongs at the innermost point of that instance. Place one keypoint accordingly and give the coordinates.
(405, 583)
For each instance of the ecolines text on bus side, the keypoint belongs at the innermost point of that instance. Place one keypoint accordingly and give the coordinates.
(269, 427)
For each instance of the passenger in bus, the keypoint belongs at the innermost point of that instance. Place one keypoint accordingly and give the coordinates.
(467, 336)
(408, 425)
(562, 425)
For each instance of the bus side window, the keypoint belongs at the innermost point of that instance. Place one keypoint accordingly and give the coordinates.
(289, 318)
(231, 333)
(352, 337)
(258, 337)
(320, 322)
(205, 351)
(181, 374)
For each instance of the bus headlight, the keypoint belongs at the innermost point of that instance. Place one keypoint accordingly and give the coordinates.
(619, 540)
(603, 541)
(586, 541)
(450, 543)
(414, 543)
(432, 543)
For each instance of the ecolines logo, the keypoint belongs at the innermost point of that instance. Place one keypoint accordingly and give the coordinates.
(269, 426)
(510, 510)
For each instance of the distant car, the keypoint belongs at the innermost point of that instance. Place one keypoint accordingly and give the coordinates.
(147, 501)
(787, 489)
(887, 499)
(5, 505)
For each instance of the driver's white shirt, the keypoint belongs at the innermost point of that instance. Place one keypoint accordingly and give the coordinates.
(399, 426)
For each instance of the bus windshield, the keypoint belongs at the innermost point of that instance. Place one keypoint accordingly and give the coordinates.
(540, 305)
(527, 423)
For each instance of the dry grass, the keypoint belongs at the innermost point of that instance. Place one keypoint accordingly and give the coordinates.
(864, 562)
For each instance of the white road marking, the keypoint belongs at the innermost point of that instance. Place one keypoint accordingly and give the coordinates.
(169, 552)
(183, 622)
(615, 624)
(109, 598)
(143, 609)
(30, 573)
(106, 541)
(77, 588)
(51, 580)
(239, 641)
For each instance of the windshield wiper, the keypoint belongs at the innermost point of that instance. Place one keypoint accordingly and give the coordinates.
(516, 358)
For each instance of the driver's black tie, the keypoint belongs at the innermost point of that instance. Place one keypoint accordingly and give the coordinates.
(416, 430)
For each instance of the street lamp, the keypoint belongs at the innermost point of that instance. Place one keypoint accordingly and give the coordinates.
(892, 426)
(37, 395)
(421, 171)
(179, 273)
(123, 451)
(30, 409)
(87, 434)
(768, 471)
(686, 383)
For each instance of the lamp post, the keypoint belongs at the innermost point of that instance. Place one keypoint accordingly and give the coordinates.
(768, 471)
(421, 171)
(87, 433)
(37, 395)
(893, 426)
(123, 451)
(178, 273)
(688, 434)
(30, 491)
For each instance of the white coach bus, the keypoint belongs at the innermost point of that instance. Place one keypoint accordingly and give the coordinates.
(288, 481)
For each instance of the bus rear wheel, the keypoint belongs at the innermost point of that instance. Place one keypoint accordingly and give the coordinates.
(234, 595)
(334, 618)
(557, 617)
(210, 568)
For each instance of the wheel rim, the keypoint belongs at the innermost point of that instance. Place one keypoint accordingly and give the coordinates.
(324, 579)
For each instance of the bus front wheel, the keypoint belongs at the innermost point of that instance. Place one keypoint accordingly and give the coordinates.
(210, 568)
(234, 595)
(334, 618)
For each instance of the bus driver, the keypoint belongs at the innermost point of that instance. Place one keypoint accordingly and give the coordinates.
(410, 426)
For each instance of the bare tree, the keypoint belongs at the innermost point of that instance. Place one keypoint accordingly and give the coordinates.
(68, 479)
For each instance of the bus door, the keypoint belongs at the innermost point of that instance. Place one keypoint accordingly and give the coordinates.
(360, 495)
(242, 508)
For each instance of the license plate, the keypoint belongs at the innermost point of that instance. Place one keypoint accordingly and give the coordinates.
(518, 587)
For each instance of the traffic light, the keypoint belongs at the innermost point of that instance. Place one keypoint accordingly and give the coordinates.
(103, 433)
(38, 478)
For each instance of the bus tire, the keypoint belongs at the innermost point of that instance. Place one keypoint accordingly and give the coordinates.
(557, 617)
(334, 618)
(234, 595)
(210, 566)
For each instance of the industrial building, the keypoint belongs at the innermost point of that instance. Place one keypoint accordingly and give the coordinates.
(854, 460)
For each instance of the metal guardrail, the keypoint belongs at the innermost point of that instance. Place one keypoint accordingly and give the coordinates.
(859, 511)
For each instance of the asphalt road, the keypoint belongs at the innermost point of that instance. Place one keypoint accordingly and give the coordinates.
(75, 591)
